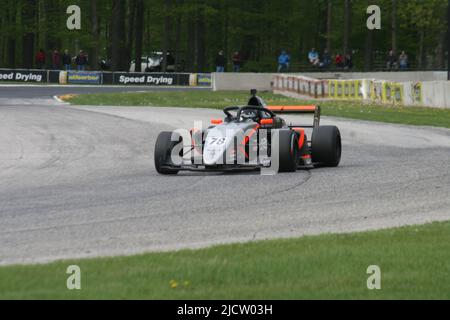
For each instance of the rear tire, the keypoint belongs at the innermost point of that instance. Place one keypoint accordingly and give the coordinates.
(288, 151)
(326, 146)
(163, 148)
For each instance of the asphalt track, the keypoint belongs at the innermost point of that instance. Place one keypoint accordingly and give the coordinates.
(80, 182)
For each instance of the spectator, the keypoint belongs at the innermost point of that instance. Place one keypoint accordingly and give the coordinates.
(391, 61)
(348, 64)
(237, 61)
(170, 67)
(283, 62)
(56, 60)
(403, 61)
(221, 62)
(339, 60)
(81, 61)
(40, 59)
(67, 60)
(313, 57)
(326, 59)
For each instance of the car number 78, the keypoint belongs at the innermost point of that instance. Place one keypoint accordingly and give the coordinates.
(217, 141)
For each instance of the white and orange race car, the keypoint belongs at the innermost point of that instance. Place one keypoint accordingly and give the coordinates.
(250, 137)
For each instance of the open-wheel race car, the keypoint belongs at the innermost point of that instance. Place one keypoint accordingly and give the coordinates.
(250, 137)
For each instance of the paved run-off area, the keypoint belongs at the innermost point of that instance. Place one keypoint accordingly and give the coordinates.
(80, 182)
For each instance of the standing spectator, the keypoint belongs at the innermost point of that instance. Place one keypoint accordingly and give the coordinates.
(221, 62)
(67, 60)
(237, 61)
(81, 61)
(326, 59)
(403, 61)
(348, 64)
(339, 60)
(170, 62)
(56, 60)
(313, 57)
(391, 61)
(283, 62)
(40, 59)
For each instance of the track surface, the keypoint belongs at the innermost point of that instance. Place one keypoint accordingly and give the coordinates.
(80, 182)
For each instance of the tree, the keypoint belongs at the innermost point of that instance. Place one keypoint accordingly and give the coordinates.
(131, 15)
(29, 15)
(125, 29)
(347, 25)
(394, 25)
(139, 34)
(118, 45)
(429, 28)
(167, 32)
(329, 23)
(95, 34)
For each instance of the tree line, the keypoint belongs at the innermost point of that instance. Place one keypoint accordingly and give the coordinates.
(195, 30)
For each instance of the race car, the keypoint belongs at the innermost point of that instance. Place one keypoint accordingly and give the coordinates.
(250, 137)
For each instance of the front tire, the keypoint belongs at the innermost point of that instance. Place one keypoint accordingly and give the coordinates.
(163, 148)
(326, 146)
(288, 151)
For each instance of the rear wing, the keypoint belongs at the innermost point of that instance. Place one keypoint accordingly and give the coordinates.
(299, 110)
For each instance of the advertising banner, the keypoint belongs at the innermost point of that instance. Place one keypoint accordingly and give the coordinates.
(417, 93)
(25, 76)
(392, 93)
(84, 77)
(151, 79)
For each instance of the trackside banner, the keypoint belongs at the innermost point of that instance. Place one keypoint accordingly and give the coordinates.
(84, 77)
(105, 78)
(25, 76)
(204, 79)
(151, 79)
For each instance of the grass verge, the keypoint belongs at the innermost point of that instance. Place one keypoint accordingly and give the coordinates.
(218, 100)
(414, 262)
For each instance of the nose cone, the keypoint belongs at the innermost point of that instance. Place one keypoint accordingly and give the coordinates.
(217, 142)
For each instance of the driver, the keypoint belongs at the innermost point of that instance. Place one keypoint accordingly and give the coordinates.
(257, 102)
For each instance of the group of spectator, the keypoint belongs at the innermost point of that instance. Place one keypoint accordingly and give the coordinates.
(315, 60)
(340, 61)
(392, 63)
(221, 61)
(62, 61)
(65, 61)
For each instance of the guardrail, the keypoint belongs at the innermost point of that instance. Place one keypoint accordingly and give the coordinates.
(105, 78)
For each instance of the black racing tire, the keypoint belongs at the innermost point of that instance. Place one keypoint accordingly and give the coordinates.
(163, 148)
(288, 151)
(326, 146)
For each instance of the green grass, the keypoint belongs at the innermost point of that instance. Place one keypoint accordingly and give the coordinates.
(414, 261)
(218, 100)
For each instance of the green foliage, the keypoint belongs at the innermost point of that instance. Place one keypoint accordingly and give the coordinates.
(259, 29)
